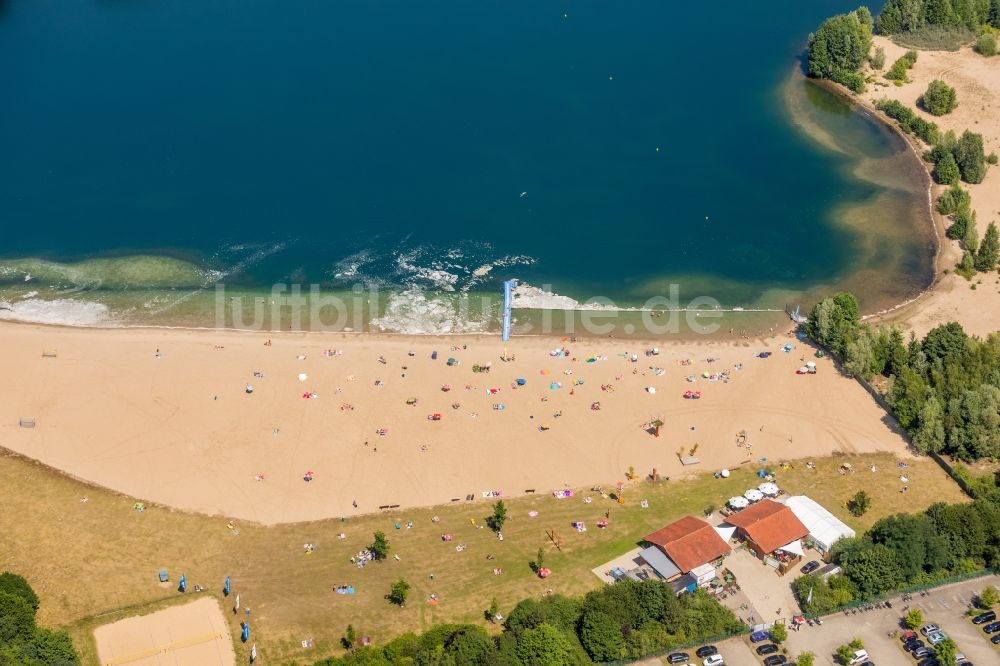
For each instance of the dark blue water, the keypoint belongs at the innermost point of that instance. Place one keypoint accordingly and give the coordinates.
(391, 142)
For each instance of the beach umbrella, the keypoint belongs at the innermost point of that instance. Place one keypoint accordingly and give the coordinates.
(768, 488)
(738, 502)
(724, 473)
(246, 632)
(182, 587)
(753, 495)
(227, 587)
(303, 376)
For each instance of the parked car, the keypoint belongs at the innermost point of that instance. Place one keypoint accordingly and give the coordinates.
(929, 661)
(767, 648)
(775, 659)
(809, 567)
(995, 640)
(936, 637)
(907, 635)
(714, 660)
(868, 663)
(992, 627)
(860, 657)
(983, 618)
(920, 653)
(759, 636)
(678, 658)
(913, 644)
(929, 629)
(707, 650)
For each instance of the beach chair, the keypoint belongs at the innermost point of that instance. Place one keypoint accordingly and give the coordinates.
(164, 576)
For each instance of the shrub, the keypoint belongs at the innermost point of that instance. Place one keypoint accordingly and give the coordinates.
(877, 59)
(953, 200)
(910, 57)
(914, 618)
(398, 592)
(779, 634)
(946, 171)
(499, 517)
(858, 505)
(986, 44)
(988, 597)
(964, 218)
(991, 159)
(898, 70)
(939, 98)
(17, 585)
(853, 81)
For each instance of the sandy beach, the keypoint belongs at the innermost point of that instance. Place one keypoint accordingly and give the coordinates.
(977, 82)
(177, 426)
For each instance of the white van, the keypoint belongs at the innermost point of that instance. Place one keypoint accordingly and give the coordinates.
(859, 656)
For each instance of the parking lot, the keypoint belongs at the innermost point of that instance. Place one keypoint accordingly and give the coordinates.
(944, 606)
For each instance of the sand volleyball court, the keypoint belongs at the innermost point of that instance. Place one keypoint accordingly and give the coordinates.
(194, 633)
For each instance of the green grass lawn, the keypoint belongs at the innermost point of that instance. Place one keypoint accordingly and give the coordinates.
(96, 562)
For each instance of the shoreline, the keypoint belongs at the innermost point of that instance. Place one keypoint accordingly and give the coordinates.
(935, 218)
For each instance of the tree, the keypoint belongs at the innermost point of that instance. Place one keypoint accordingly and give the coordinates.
(472, 646)
(963, 220)
(349, 637)
(946, 651)
(877, 60)
(930, 434)
(989, 249)
(939, 98)
(494, 610)
(499, 516)
(914, 618)
(988, 597)
(779, 634)
(17, 585)
(971, 240)
(17, 619)
(846, 652)
(806, 659)
(543, 646)
(398, 592)
(380, 546)
(859, 504)
(875, 570)
(601, 636)
(946, 170)
(834, 322)
(840, 45)
(970, 157)
(49, 648)
(986, 44)
(953, 199)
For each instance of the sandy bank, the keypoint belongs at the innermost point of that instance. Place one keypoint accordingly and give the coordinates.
(179, 429)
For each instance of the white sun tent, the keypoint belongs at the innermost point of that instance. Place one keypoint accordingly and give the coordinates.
(824, 528)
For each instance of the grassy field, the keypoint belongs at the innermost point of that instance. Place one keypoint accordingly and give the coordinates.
(96, 561)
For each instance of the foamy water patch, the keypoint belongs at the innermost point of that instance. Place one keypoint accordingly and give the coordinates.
(62, 311)
(415, 313)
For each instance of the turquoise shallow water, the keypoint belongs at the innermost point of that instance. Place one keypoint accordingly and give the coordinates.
(152, 149)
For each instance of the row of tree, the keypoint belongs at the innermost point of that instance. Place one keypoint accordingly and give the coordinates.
(907, 550)
(944, 389)
(900, 16)
(625, 620)
(22, 642)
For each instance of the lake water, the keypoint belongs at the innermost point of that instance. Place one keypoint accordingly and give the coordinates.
(152, 150)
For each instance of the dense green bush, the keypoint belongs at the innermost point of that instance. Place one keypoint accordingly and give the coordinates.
(970, 157)
(833, 322)
(989, 250)
(986, 44)
(939, 99)
(909, 121)
(946, 171)
(898, 70)
(903, 16)
(965, 218)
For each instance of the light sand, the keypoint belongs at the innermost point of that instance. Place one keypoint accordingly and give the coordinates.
(977, 82)
(195, 633)
(180, 430)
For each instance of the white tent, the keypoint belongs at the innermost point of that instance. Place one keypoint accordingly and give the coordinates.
(824, 528)
(795, 548)
(725, 532)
